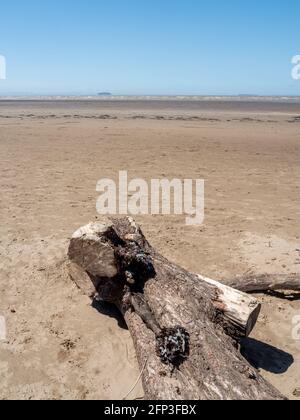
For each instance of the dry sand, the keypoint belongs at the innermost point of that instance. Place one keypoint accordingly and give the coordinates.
(53, 153)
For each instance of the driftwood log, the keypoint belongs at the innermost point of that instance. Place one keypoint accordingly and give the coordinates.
(267, 283)
(185, 327)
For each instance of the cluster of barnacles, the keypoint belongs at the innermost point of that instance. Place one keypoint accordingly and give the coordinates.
(173, 345)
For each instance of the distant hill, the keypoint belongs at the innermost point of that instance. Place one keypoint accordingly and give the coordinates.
(104, 94)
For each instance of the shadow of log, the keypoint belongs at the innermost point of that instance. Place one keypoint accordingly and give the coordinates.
(291, 297)
(108, 309)
(263, 356)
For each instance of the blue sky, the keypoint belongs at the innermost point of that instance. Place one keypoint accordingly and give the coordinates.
(150, 46)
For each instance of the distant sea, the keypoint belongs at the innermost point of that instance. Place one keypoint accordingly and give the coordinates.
(242, 98)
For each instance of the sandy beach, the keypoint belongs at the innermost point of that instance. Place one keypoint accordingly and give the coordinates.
(52, 155)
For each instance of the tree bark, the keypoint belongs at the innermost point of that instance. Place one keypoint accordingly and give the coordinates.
(185, 327)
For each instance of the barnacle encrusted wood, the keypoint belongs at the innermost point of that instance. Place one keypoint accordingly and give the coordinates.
(173, 345)
(185, 328)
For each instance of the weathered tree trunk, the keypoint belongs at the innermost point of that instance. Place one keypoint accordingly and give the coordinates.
(185, 327)
(238, 310)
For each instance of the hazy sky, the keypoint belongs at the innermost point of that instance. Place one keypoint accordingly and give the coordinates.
(150, 46)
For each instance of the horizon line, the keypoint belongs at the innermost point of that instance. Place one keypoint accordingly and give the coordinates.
(102, 96)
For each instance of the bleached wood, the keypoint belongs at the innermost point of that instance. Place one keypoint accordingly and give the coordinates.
(239, 309)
